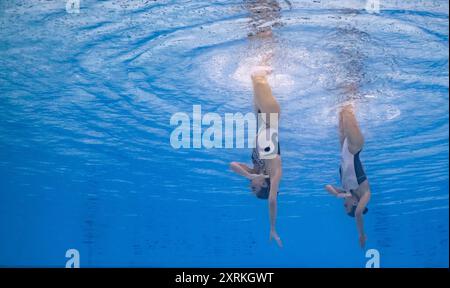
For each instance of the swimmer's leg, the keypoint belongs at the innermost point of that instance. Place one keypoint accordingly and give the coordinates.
(341, 128)
(349, 129)
(263, 97)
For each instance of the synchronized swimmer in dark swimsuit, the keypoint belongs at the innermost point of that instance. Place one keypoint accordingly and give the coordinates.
(355, 188)
(265, 175)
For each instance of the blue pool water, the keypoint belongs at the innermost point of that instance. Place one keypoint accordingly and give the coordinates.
(86, 163)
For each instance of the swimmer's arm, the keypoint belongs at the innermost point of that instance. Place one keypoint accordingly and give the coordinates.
(359, 217)
(242, 169)
(337, 192)
(275, 178)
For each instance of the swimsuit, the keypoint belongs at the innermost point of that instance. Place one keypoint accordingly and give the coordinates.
(351, 169)
(258, 163)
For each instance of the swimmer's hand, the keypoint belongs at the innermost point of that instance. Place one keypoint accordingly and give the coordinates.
(274, 235)
(339, 193)
(362, 240)
(344, 195)
(255, 176)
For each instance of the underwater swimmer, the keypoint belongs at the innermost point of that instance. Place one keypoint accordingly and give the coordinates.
(266, 173)
(355, 186)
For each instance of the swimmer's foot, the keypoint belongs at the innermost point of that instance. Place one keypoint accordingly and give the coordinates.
(348, 106)
(261, 71)
(263, 34)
